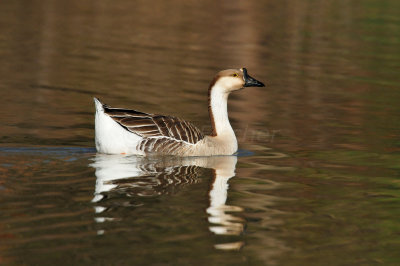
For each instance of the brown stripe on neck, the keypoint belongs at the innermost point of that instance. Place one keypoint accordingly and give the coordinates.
(210, 112)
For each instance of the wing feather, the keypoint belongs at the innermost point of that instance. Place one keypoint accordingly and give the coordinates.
(155, 126)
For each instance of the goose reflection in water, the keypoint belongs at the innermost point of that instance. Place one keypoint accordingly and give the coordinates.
(153, 176)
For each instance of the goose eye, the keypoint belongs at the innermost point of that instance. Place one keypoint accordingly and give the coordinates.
(235, 75)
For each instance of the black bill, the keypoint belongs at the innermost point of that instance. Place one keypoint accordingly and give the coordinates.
(251, 82)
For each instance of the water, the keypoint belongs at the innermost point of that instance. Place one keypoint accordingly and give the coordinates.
(316, 180)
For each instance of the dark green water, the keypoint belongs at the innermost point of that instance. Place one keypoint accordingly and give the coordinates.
(317, 178)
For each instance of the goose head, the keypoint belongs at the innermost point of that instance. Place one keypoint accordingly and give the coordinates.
(234, 79)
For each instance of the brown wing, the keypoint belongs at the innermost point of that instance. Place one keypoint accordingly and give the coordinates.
(151, 125)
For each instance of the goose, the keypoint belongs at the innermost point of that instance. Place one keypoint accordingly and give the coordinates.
(125, 131)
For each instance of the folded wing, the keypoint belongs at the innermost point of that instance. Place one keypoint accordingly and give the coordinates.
(155, 126)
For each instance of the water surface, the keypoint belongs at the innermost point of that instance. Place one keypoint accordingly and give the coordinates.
(316, 180)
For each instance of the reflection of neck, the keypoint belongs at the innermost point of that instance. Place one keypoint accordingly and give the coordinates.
(219, 190)
(218, 110)
(224, 223)
(224, 169)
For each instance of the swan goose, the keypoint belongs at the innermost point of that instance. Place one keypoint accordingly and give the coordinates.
(124, 131)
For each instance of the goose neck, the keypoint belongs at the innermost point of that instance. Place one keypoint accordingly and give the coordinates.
(218, 110)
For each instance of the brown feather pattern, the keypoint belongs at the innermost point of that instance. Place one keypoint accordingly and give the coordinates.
(161, 134)
(158, 180)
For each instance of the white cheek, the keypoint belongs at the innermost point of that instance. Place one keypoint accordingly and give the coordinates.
(230, 83)
(236, 84)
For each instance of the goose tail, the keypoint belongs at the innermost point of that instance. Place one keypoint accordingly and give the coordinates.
(99, 105)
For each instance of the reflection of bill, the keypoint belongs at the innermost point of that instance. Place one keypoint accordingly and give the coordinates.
(146, 176)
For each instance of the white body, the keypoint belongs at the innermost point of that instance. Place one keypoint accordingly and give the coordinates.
(112, 138)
